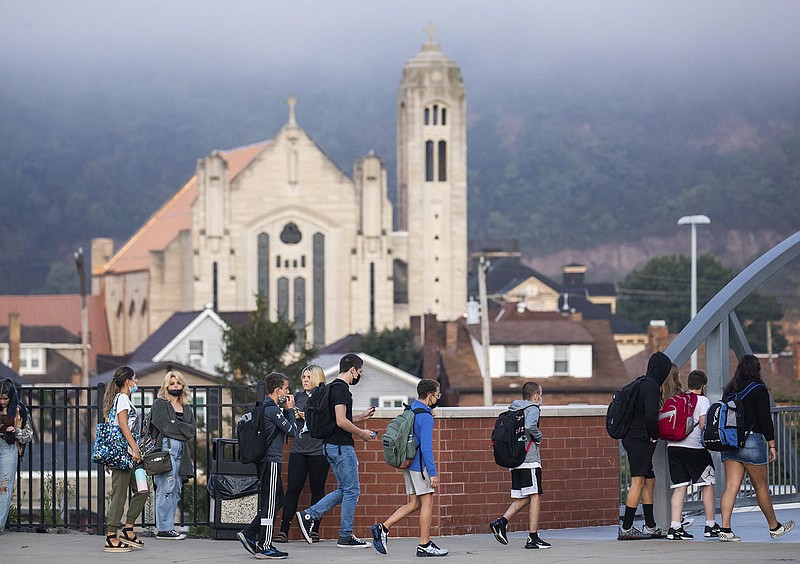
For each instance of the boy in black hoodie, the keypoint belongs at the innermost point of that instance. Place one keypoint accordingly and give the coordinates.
(640, 444)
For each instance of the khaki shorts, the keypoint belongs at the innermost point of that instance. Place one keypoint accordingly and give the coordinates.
(417, 483)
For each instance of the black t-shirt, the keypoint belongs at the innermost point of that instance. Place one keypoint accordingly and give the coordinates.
(340, 395)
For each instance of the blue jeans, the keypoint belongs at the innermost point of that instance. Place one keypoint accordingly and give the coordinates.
(8, 474)
(344, 464)
(168, 487)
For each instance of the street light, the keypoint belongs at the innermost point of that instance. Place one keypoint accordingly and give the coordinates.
(694, 221)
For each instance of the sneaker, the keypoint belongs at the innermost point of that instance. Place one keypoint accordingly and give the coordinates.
(281, 537)
(499, 530)
(655, 533)
(632, 534)
(782, 529)
(379, 537)
(248, 543)
(314, 536)
(351, 542)
(271, 553)
(686, 522)
(711, 531)
(307, 524)
(537, 543)
(678, 534)
(170, 535)
(431, 550)
(729, 537)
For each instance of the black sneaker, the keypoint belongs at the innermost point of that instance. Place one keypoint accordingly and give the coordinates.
(379, 537)
(678, 534)
(248, 543)
(307, 524)
(351, 542)
(170, 535)
(537, 543)
(431, 550)
(271, 553)
(711, 531)
(499, 530)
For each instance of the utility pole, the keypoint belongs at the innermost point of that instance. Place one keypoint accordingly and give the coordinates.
(81, 266)
(487, 377)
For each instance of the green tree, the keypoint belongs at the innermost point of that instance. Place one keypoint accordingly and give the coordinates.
(393, 346)
(254, 350)
(661, 290)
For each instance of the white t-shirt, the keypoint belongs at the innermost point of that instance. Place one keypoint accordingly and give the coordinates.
(124, 403)
(694, 438)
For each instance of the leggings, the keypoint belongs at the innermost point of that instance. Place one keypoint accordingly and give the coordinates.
(301, 465)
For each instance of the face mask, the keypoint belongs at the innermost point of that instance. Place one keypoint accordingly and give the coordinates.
(355, 380)
(176, 393)
(434, 405)
(134, 388)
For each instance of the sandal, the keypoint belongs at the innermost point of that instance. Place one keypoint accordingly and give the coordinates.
(118, 547)
(132, 541)
(281, 537)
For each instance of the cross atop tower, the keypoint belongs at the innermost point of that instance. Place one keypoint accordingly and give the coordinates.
(292, 102)
(430, 30)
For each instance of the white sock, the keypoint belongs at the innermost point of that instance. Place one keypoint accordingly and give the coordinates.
(710, 523)
(675, 525)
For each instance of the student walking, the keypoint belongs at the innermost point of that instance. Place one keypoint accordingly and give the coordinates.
(15, 432)
(341, 455)
(306, 458)
(174, 425)
(526, 479)
(754, 457)
(118, 407)
(278, 422)
(691, 463)
(420, 477)
(639, 443)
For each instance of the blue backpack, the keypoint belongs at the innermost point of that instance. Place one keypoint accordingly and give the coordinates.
(725, 428)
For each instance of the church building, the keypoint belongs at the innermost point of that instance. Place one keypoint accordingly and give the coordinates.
(281, 220)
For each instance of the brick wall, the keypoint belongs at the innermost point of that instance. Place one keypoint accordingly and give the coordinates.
(580, 475)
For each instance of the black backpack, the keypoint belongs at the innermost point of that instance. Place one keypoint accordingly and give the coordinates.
(508, 438)
(252, 446)
(318, 412)
(620, 411)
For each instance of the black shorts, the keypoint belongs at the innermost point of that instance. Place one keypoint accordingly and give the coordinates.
(690, 466)
(525, 482)
(640, 456)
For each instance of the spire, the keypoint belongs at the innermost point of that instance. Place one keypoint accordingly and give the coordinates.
(430, 30)
(292, 102)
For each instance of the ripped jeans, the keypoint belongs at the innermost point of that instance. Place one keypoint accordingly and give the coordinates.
(168, 487)
(8, 474)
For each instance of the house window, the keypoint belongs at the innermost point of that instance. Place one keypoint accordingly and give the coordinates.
(561, 360)
(200, 415)
(196, 352)
(392, 401)
(512, 360)
(31, 360)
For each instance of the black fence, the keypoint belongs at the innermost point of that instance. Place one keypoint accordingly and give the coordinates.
(57, 483)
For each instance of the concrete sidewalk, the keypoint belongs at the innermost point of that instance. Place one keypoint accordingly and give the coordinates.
(596, 544)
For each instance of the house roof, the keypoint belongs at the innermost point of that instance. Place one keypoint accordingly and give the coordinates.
(329, 363)
(172, 217)
(145, 368)
(6, 372)
(47, 334)
(506, 273)
(534, 332)
(591, 311)
(346, 344)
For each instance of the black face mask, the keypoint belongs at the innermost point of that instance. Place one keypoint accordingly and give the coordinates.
(176, 393)
(356, 380)
(434, 405)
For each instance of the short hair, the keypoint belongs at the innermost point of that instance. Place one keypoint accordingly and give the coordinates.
(163, 392)
(696, 379)
(274, 380)
(529, 389)
(426, 387)
(349, 361)
(316, 373)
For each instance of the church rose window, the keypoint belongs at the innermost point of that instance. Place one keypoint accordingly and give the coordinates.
(291, 234)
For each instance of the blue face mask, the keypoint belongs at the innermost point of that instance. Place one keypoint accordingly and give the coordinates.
(134, 388)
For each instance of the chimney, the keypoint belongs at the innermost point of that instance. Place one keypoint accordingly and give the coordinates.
(102, 251)
(14, 340)
(657, 334)
(573, 275)
(451, 336)
(796, 360)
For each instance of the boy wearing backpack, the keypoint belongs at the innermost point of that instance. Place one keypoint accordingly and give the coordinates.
(526, 479)
(690, 463)
(277, 422)
(420, 477)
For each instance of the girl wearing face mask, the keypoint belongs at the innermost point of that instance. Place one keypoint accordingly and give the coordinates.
(173, 425)
(117, 404)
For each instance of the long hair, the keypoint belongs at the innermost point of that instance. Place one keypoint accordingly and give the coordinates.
(8, 388)
(317, 374)
(163, 392)
(672, 385)
(122, 374)
(748, 370)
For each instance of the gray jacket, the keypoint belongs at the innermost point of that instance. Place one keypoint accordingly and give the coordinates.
(166, 424)
(532, 433)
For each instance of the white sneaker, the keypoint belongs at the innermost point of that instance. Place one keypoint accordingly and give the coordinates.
(729, 537)
(782, 530)
(431, 550)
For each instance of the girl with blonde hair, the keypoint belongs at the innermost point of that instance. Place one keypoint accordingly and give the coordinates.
(172, 423)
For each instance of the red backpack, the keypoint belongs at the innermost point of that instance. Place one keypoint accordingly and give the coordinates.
(676, 418)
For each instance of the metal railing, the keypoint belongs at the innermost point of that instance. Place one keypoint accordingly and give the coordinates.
(784, 473)
(58, 485)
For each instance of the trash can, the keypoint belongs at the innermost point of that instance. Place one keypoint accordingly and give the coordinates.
(233, 488)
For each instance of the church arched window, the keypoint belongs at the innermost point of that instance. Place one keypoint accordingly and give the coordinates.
(435, 114)
(427, 116)
(442, 161)
(444, 116)
(428, 161)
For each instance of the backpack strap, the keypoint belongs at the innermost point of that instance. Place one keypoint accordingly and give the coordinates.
(749, 388)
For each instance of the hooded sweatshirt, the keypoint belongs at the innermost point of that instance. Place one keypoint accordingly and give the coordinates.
(646, 406)
(533, 436)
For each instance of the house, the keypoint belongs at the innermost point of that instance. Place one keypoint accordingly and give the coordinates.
(48, 354)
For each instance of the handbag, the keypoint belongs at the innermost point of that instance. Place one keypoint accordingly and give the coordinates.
(155, 459)
(157, 462)
(110, 446)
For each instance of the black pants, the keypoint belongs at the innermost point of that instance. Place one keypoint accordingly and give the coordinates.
(270, 500)
(301, 466)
